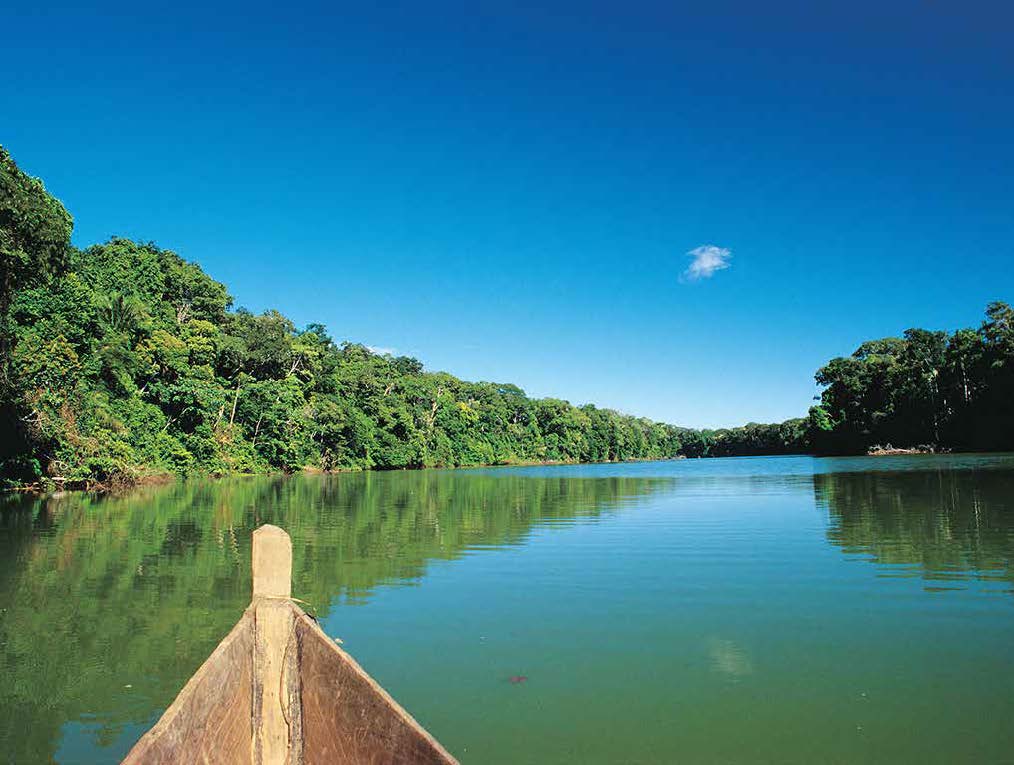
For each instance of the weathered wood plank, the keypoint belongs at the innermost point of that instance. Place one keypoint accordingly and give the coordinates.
(276, 713)
(348, 717)
(277, 717)
(209, 722)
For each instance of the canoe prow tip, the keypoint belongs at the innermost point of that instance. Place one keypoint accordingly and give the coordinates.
(268, 528)
(272, 562)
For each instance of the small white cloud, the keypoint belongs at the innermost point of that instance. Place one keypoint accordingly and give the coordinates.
(380, 351)
(706, 259)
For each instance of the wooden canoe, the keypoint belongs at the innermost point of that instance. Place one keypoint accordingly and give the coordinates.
(278, 691)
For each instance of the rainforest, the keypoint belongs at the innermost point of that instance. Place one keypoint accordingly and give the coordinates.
(123, 362)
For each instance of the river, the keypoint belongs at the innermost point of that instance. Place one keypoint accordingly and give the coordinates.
(791, 610)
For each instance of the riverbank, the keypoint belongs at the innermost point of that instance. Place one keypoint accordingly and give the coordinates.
(127, 482)
(93, 486)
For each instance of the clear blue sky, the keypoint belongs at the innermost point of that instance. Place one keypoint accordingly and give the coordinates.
(509, 191)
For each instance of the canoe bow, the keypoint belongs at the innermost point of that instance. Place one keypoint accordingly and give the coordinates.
(278, 691)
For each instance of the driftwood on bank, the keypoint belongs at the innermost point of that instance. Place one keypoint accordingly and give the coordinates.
(895, 451)
(278, 691)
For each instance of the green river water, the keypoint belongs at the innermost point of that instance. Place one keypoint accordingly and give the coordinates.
(777, 610)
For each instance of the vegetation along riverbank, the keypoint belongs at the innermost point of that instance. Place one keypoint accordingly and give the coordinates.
(123, 362)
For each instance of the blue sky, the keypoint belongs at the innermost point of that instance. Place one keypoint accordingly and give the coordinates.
(509, 191)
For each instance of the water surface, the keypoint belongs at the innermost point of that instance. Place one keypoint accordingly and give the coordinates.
(789, 610)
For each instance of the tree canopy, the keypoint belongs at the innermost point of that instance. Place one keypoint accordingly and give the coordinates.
(34, 238)
(929, 388)
(132, 362)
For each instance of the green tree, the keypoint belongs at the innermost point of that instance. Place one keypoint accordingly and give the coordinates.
(34, 238)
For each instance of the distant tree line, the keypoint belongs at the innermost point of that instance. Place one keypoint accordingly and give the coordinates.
(123, 360)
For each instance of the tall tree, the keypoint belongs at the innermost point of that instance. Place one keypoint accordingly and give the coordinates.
(34, 240)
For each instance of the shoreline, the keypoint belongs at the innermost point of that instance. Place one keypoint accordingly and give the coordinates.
(123, 485)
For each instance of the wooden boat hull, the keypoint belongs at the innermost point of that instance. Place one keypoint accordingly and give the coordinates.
(279, 690)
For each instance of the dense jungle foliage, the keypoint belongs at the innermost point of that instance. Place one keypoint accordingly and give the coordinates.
(951, 391)
(131, 361)
(123, 360)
